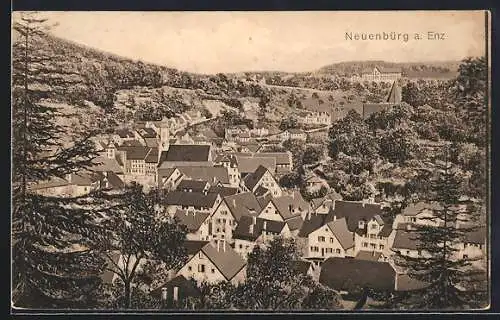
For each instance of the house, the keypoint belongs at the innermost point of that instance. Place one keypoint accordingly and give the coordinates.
(418, 213)
(252, 231)
(284, 162)
(191, 201)
(122, 135)
(111, 181)
(369, 255)
(213, 175)
(365, 220)
(231, 133)
(283, 209)
(243, 204)
(221, 223)
(381, 74)
(314, 117)
(474, 244)
(330, 240)
(104, 163)
(259, 129)
(187, 185)
(297, 205)
(229, 162)
(249, 147)
(325, 204)
(169, 178)
(186, 155)
(261, 177)
(294, 134)
(215, 264)
(247, 163)
(405, 240)
(147, 136)
(242, 138)
(139, 161)
(223, 191)
(373, 235)
(195, 222)
(348, 275)
(174, 293)
(315, 183)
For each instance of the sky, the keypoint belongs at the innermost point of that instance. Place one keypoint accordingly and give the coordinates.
(210, 42)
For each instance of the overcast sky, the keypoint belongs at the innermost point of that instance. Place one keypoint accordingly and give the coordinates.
(210, 42)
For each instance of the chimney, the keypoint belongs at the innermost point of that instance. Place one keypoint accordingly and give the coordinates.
(254, 219)
(164, 293)
(218, 246)
(176, 293)
(234, 202)
(224, 246)
(265, 225)
(250, 229)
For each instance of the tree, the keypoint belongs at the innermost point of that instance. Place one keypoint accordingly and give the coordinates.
(352, 137)
(55, 263)
(288, 123)
(312, 155)
(272, 282)
(321, 298)
(291, 180)
(446, 276)
(399, 145)
(141, 231)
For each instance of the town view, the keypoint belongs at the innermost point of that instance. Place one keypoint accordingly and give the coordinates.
(358, 185)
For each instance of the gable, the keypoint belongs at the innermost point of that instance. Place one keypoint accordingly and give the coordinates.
(270, 212)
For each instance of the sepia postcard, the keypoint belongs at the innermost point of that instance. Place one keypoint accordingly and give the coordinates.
(316, 161)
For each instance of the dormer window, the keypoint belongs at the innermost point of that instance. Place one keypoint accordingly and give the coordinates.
(361, 224)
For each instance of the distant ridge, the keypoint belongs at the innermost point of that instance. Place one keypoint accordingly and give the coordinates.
(429, 68)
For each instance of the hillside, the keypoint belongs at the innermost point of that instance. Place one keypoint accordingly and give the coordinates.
(410, 69)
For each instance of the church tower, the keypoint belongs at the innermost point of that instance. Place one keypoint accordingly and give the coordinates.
(164, 142)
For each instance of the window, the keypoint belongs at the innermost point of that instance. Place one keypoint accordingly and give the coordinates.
(224, 221)
(189, 268)
(213, 270)
(372, 236)
(201, 268)
(374, 226)
(241, 246)
(365, 244)
(218, 230)
(361, 224)
(381, 247)
(465, 256)
(373, 245)
(337, 251)
(407, 251)
(331, 240)
(321, 239)
(200, 255)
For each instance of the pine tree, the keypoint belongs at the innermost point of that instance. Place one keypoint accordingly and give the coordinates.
(448, 278)
(54, 264)
(141, 232)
